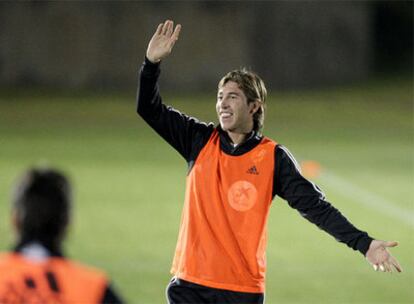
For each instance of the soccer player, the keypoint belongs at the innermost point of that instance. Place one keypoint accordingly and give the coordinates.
(234, 172)
(37, 271)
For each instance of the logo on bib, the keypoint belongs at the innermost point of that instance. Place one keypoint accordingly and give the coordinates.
(242, 195)
(253, 170)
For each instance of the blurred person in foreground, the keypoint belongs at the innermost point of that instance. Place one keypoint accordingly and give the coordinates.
(234, 172)
(37, 271)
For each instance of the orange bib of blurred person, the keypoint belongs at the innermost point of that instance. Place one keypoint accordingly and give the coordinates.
(55, 280)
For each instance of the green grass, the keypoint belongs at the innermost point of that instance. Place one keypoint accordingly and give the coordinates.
(129, 186)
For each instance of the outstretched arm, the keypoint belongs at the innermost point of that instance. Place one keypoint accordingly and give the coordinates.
(379, 257)
(305, 197)
(163, 40)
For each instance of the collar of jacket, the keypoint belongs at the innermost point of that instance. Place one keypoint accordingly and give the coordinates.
(227, 147)
(54, 252)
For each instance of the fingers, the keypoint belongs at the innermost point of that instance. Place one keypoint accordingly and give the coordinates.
(167, 28)
(175, 35)
(164, 27)
(177, 31)
(380, 267)
(159, 29)
(170, 28)
(391, 244)
(387, 266)
(395, 263)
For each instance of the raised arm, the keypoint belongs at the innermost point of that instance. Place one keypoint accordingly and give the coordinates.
(163, 40)
(184, 133)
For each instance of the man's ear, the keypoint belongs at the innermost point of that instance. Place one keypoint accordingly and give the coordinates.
(254, 106)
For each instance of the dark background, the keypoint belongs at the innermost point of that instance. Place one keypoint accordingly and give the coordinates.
(292, 45)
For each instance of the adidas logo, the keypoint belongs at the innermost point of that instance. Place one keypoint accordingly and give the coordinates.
(253, 170)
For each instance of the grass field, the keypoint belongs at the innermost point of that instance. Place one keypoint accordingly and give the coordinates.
(129, 186)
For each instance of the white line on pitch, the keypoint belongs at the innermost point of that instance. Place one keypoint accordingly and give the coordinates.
(367, 198)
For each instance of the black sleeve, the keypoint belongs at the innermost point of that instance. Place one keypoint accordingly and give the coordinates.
(186, 134)
(110, 297)
(309, 200)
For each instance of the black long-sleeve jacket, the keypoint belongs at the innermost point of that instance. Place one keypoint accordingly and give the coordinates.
(188, 136)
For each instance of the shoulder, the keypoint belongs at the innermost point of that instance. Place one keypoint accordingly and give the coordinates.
(4, 256)
(79, 270)
(286, 164)
(268, 142)
(201, 126)
(7, 260)
(284, 154)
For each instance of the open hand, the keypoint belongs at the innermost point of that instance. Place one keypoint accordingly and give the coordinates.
(379, 257)
(163, 40)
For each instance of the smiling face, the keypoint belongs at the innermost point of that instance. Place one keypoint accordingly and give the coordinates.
(234, 112)
(245, 85)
